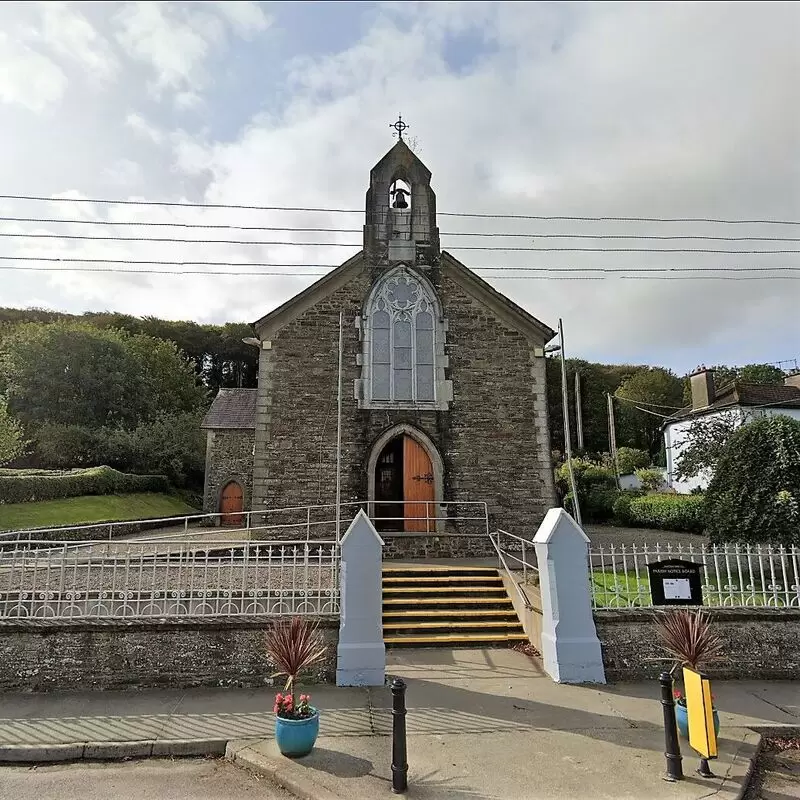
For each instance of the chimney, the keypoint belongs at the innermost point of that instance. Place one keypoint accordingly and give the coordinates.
(701, 382)
(793, 380)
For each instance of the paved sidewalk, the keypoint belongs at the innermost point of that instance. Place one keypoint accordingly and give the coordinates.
(481, 723)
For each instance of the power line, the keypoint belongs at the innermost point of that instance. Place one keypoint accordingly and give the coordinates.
(643, 403)
(166, 239)
(506, 268)
(540, 276)
(240, 206)
(490, 234)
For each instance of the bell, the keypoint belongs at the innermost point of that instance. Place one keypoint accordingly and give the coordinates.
(400, 199)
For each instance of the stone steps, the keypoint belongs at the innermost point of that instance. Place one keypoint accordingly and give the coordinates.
(443, 606)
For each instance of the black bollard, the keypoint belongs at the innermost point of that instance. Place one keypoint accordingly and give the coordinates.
(704, 771)
(673, 748)
(399, 752)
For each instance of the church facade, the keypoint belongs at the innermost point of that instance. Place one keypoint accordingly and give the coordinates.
(444, 396)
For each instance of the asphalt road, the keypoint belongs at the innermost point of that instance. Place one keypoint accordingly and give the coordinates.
(154, 779)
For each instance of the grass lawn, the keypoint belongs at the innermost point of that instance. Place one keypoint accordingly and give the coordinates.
(624, 590)
(91, 508)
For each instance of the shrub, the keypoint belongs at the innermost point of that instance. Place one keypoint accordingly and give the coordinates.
(622, 505)
(597, 489)
(69, 446)
(28, 488)
(670, 512)
(630, 459)
(754, 495)
(651, 479)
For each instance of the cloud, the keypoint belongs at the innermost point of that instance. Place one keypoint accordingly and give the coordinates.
(176, 40)
(246, 18)
(649, 110)
(173, 42)
(143, 128)
(70, 35)
(28, 78)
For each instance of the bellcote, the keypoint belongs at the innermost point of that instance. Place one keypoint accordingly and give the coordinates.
(401, 212)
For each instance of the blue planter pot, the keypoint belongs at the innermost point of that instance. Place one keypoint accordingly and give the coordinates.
(682, 719)
(296, 737)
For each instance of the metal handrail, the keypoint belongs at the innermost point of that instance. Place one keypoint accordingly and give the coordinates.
(502, 558)
(305, 521)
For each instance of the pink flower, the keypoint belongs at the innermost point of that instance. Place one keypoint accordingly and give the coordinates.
(276, 708)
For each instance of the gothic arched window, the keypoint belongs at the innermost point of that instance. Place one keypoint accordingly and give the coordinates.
(403, 333)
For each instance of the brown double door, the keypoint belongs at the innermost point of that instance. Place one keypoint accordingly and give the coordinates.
(404, 487)
(232, 504)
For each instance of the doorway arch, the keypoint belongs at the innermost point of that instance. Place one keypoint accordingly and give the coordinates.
(421, 494)
(231, 504)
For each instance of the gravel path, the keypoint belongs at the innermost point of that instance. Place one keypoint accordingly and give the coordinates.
(606, 535)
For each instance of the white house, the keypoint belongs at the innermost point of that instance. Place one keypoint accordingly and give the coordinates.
(740, 402)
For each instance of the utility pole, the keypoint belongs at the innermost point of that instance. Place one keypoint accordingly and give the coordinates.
(339, 432)
(578, 411)
(612, 435)
(567, 436)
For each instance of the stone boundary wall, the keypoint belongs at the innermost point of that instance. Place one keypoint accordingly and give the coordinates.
(759, 643)
(432, 545)
(57, 656)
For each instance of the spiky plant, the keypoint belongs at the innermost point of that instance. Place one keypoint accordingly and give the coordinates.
(294, 646)
(688, 637)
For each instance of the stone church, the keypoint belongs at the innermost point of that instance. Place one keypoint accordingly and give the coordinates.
(444, 399)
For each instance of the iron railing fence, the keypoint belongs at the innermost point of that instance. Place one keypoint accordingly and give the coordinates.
(323, 521)
(733, 575)
(516, 555)
(182, 578)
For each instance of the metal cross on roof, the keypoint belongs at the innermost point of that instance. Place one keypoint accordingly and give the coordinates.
(399, 126)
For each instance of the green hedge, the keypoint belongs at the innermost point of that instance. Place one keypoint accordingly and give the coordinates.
(27, 488)
(671, 512)
(622, 505)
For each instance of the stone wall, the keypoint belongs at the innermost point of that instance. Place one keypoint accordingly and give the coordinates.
(229, 457)
(760, 643)
(494, 439)
(159, 653)
(422, 546)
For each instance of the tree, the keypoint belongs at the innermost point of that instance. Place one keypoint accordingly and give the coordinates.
(659, 392)
(761, 373)
(216, 352)
(754, 495)
(597, 380)
(750, 373)
(72, 373)
(705, 441)
(12, 436)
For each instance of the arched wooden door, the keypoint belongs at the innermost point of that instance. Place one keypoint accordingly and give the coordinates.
(232, 504)
(418, 487)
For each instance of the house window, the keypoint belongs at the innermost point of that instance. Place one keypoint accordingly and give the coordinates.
(404, 344)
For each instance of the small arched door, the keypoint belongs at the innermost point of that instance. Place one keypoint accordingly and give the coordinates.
(404, 487)
(232, 504)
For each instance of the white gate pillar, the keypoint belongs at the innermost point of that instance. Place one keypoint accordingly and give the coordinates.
(361, 654)
(570, 648)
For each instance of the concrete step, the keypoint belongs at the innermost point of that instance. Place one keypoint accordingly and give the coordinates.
(455, 601)
(439, 572)
(394, 614)
(455, 580)
(441, 591)
(446, 624)
(454, 639)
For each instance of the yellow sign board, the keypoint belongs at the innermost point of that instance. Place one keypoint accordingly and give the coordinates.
(700, 713)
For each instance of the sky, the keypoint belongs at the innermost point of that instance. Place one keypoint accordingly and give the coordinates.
(675, 110)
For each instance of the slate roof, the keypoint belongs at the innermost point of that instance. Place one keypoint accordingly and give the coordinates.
(749, 395)
(232, 409)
